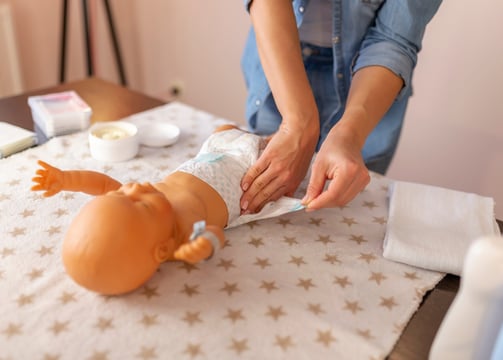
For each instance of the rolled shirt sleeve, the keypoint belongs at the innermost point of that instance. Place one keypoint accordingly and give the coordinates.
(395, 38)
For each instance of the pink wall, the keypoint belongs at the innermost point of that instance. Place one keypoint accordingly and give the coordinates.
(453, 135)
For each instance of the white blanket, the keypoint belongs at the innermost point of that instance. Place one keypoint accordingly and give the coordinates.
(298, 286)
(433, 227)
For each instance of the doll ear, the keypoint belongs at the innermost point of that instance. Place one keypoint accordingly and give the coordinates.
(161, 253)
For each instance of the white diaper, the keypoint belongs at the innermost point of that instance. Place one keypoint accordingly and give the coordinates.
(222, 162)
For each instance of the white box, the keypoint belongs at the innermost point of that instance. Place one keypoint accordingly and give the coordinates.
(60, 113)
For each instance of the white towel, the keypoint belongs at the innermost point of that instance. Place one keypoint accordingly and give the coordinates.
(432, 227)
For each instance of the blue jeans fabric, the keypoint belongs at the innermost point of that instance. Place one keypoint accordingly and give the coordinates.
(381, 144)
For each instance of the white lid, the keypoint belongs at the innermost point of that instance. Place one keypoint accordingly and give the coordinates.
(158, 134)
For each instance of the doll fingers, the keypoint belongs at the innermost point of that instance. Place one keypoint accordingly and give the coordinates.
(37, 187)
(194, 251)
(184, 255)
(44, 164)
(41, 172)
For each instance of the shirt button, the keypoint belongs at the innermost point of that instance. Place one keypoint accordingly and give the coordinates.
(336, 39)
(301, 9)
(307, 51)
(257, 102)
(340, 75)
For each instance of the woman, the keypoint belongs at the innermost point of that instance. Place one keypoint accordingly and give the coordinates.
(332, 76)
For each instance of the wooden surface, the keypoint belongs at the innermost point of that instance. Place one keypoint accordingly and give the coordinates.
(107, 100)
(112, 102)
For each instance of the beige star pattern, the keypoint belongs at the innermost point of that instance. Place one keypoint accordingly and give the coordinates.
(316, 309)
(367, 257)
(316, 221)
(290, 240)
(234, 315)
(58, 327)
(192, 318)
(149, 320)
(149, 292)
(193, 350)
(323, 269)
(342, 281)
(284, 222)
(25, 299)
(147, 353)
(275, 312)
(306, 284)
(331, 259)
(262, 262)
(99, 355)
(104, 324)
(18, 231)
(256, 242)
(349, 221)
(352, 306)
(190, 290)
(378, 277)
(269, 286)
(388, 302)
(239, 346)
(284, 342)
(12, 329)
(297, 260)
(44, 250)
(324, 239)
(7, 252)
(230, 288)
(226, 264)
(325, 337)
(35, 273)
(359, 239)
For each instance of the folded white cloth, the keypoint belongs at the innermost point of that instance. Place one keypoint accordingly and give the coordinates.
(432, 227)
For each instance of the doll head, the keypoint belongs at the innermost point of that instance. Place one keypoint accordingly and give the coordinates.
(118, 240)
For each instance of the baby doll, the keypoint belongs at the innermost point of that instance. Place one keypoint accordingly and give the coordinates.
(118, 240)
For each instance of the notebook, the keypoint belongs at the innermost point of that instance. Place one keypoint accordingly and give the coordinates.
(14, 139)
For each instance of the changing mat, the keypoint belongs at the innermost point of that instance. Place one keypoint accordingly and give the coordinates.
(297, 286)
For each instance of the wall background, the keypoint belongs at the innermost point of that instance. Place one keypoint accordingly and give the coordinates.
(453, 135)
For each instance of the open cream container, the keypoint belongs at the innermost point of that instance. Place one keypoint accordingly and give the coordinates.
(113, 141)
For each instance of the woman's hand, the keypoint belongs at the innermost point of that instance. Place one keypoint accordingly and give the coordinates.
(340, 162)
(281, 167)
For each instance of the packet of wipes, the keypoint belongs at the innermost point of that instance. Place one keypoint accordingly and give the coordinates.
(60, 113)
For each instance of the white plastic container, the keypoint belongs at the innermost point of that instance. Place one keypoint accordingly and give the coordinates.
(60, 113)
(113, 141)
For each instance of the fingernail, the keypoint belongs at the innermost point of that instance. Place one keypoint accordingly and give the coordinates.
(245, 186)
(244, 206)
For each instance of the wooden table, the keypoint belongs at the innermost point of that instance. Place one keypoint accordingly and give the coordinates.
(107, 100)
(112, 102)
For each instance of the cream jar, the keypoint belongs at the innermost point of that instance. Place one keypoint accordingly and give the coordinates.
(113, 141)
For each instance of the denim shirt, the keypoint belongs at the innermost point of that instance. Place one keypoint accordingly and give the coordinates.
(364, 32)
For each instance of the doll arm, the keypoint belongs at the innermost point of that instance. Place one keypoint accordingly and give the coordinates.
(203, 243)
(54, 180)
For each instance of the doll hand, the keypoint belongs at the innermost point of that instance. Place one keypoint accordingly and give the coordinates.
(49, 179)
(194, 251)
(203, 243)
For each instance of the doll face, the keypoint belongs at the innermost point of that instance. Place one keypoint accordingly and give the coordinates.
(146, 200)
(112, 245)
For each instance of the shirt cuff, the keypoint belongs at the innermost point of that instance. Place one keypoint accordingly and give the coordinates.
(389, 56)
